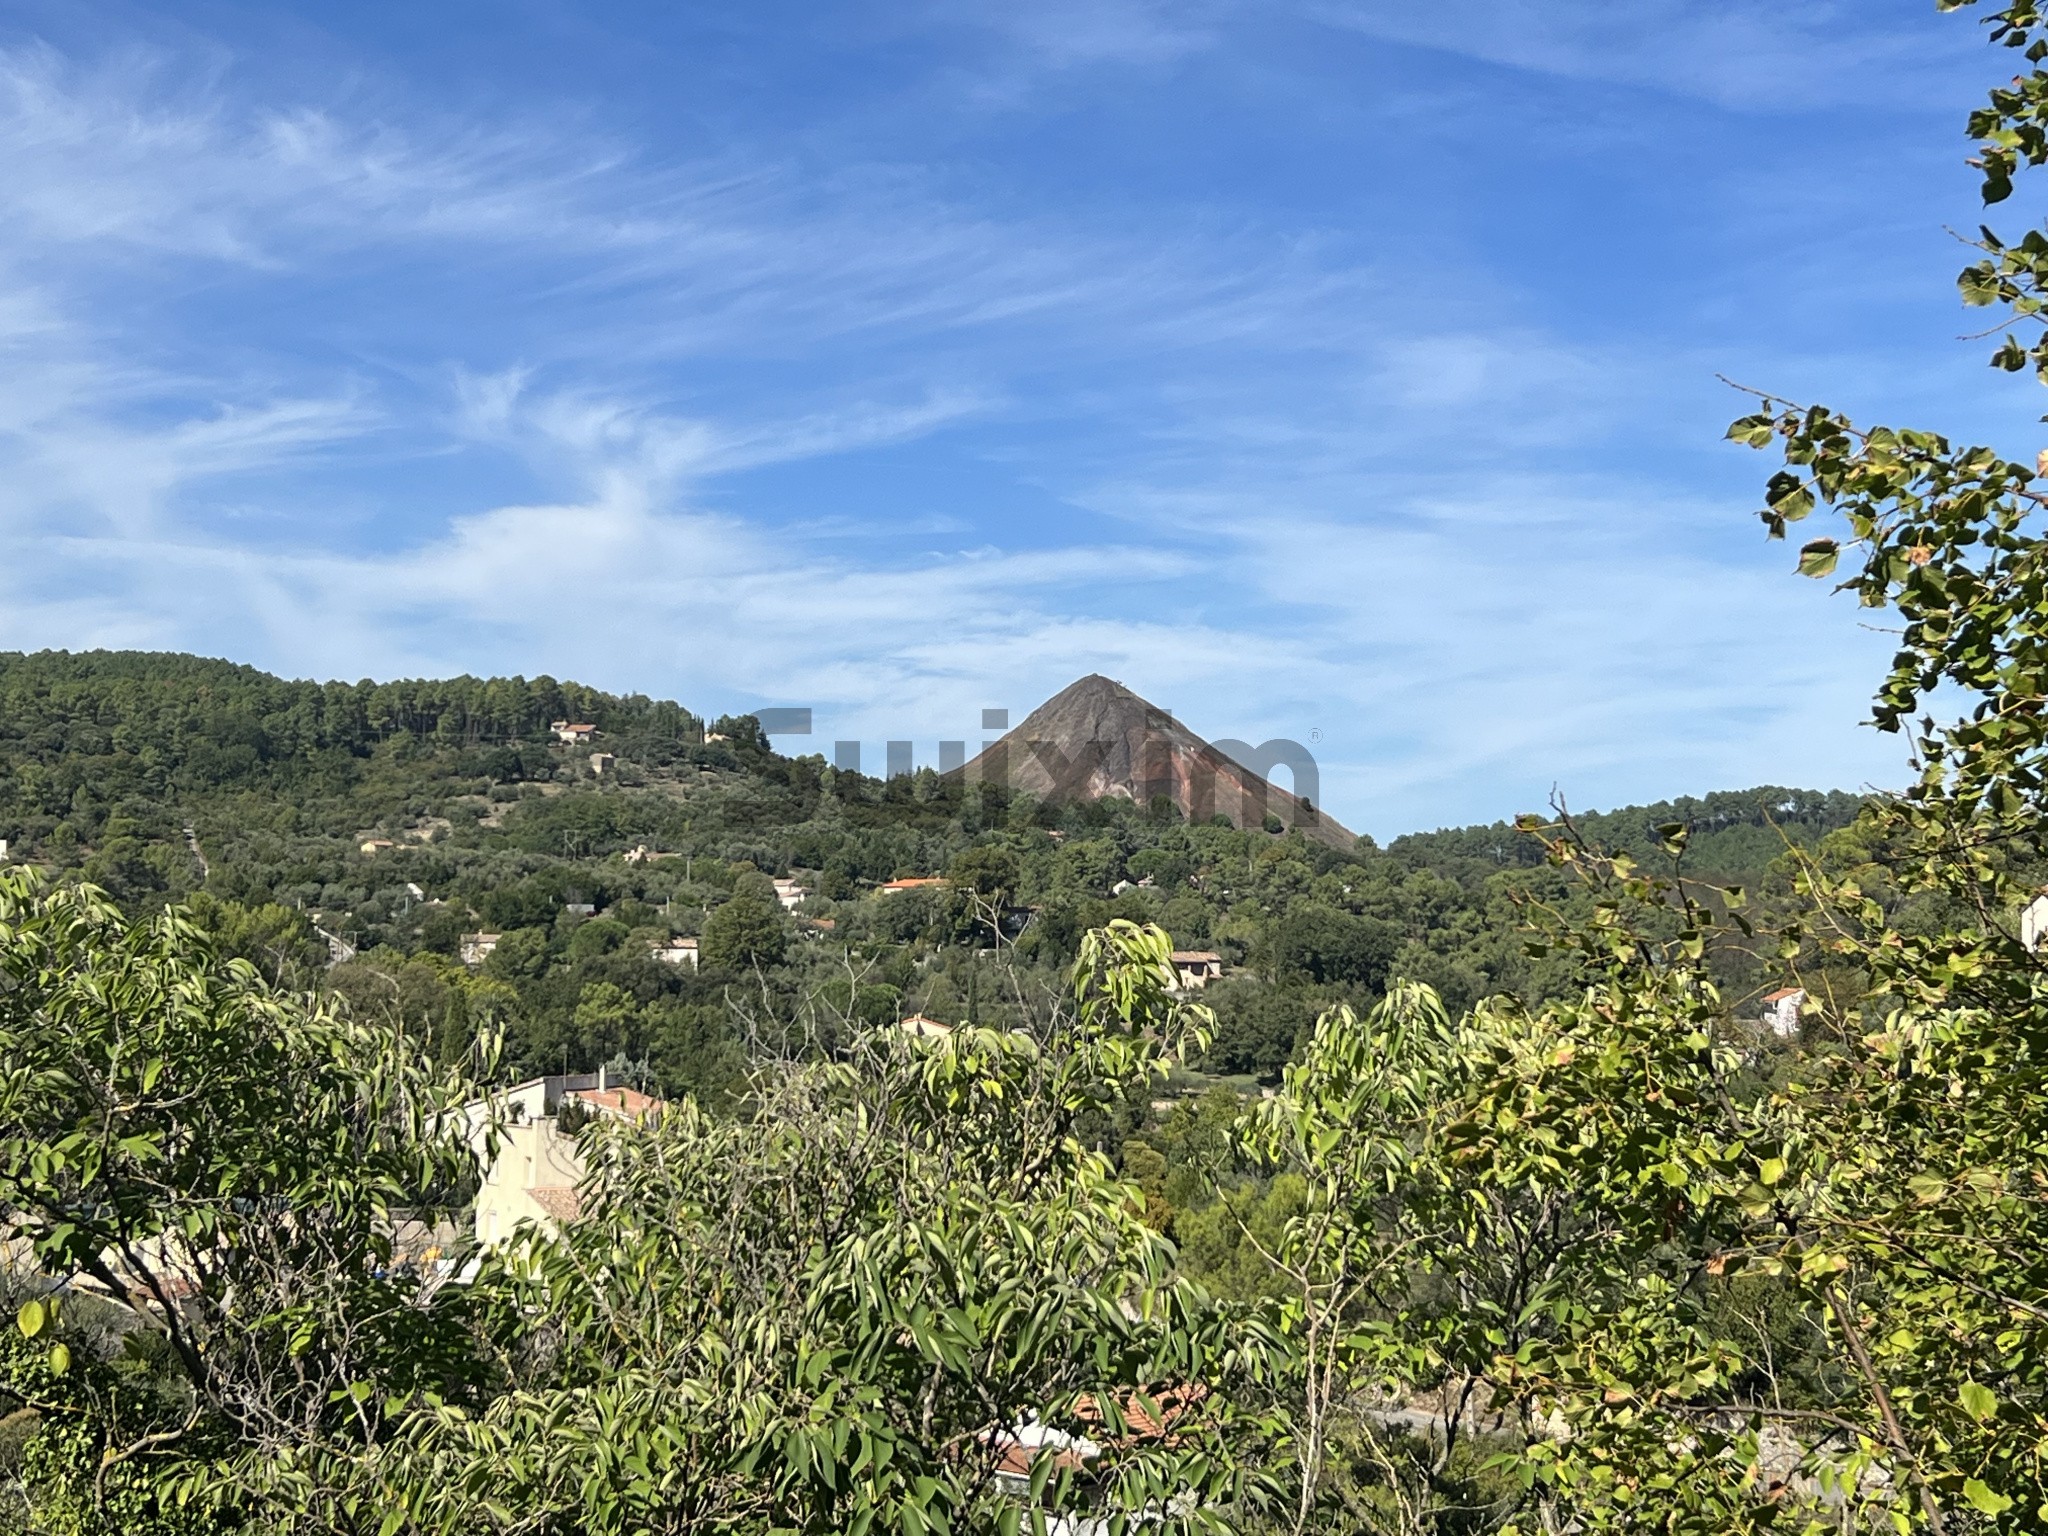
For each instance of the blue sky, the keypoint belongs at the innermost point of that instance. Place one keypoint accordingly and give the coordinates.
(1334, 369)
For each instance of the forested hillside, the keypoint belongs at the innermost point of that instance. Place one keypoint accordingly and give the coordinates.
(388, 820)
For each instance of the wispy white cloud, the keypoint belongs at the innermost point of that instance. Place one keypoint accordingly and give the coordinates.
(580, 430)
(695, 254)
(1747, 54)
(136, 152)
(630, 578)
(1069, 33)
(93, 443)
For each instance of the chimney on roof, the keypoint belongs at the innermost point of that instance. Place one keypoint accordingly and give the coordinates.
(600, 1078)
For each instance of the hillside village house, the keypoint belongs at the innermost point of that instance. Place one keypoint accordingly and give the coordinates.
(2033, 921)
(1030, 1440)
(789, 893)
(536, 1169)
(918, 883)
(1781, 1010)
(376, 845)
(1196, 968)
(569, 733)
(677, 952)
(646, 855)
(476, 947)
(601, 763)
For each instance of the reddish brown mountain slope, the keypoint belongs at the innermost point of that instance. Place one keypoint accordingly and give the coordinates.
(1096, 738)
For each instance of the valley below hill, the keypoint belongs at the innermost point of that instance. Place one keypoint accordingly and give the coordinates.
(652, 890)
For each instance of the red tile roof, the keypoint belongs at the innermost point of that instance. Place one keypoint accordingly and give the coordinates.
(1173, 1403)
(561, 1202)
(1017, 1459)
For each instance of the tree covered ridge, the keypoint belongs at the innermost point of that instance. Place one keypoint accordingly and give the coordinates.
(196, 723)
(1732, 835)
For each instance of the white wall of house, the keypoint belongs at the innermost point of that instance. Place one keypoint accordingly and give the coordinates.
(2033, 921)
(532, 1154)
(1781, 1012)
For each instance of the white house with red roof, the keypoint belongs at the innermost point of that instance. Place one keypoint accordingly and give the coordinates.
(1781, 1010)
(2033, 920)
(536, 1166)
